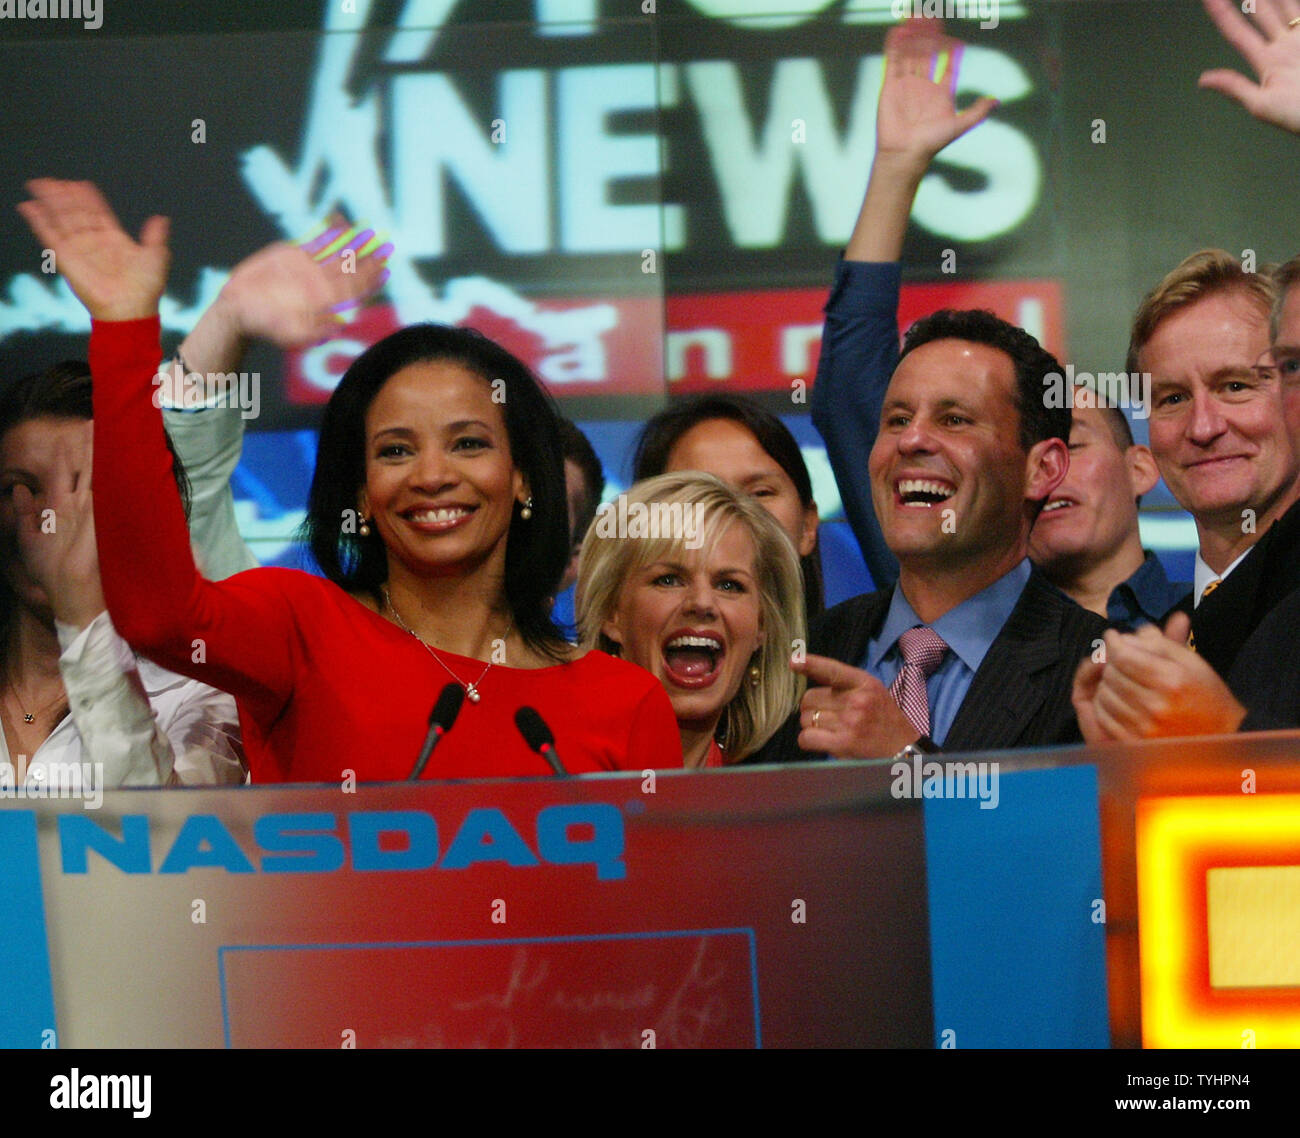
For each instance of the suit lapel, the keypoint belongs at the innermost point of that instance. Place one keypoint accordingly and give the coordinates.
(1008, 690)
(844, 632)
(1226, 618)
(873, 616)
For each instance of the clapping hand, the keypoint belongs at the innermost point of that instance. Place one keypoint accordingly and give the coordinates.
(1149, 685)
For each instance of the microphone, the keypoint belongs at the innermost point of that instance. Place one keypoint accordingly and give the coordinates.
(441, 718)
(539, 738)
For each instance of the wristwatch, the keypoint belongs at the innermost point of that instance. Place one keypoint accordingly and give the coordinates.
(923, 746)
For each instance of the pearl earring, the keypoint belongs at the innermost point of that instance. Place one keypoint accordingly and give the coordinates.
(527, 511)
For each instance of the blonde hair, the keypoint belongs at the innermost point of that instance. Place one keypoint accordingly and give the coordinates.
(1205, 273)
(608, 561)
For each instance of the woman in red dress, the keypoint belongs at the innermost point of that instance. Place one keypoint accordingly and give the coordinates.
(437, 514)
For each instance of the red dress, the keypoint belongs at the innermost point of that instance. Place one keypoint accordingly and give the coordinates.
(324, 685)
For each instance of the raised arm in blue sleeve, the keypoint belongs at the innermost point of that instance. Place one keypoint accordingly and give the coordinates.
(858, 355)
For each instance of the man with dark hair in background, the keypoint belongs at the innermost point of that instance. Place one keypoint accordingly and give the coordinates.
(1087, 540)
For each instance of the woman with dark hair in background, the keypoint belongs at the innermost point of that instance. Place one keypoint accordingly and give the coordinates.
(72, 690)
(437, 513)
(750, 449)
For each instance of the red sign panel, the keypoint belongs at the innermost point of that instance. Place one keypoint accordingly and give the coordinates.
(743, 341)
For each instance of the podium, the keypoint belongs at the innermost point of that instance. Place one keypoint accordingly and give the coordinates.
(739, 908)
(1119, 896)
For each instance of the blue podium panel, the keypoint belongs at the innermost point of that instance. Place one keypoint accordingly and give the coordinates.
(27, 1009)
(1017, 932)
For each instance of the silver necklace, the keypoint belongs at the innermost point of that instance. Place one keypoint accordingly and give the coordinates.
(471, 690)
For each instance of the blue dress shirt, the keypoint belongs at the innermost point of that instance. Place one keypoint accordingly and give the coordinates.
(969, 631)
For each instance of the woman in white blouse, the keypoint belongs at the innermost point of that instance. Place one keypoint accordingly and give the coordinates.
(71, 691)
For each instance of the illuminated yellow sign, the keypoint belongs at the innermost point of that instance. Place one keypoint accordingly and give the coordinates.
(1219, 921)
(1254, 923)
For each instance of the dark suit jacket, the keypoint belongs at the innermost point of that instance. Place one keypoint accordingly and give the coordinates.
(1266, 673)
(1020, 697)
(1227, 618)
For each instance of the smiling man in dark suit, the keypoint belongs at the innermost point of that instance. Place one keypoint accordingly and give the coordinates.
(972, 649)
(1227, 435)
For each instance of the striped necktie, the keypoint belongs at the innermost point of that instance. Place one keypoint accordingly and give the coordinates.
(923, 650)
